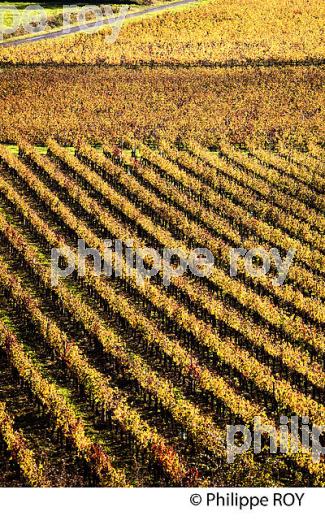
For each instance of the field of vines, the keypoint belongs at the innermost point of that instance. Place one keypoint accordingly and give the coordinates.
(106, 382)
(210, 33)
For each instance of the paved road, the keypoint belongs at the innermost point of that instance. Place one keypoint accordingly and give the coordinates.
(91, 25)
